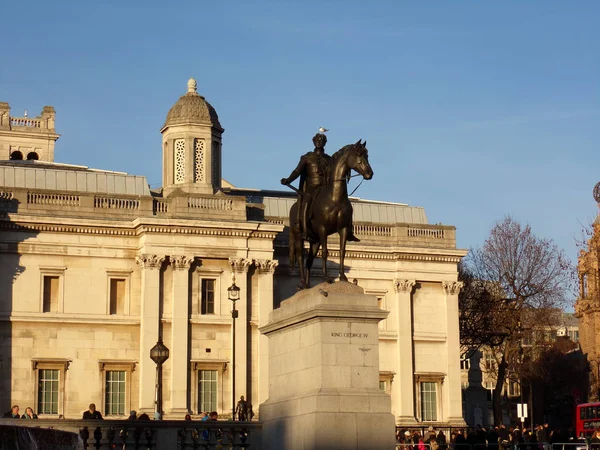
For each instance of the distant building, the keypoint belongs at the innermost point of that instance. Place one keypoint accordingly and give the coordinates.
(587, 307)
(96, 267)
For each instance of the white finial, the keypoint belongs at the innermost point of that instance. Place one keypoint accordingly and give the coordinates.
(26, 113)
(192, 85)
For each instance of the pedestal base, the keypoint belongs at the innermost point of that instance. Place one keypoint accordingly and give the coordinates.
(324, 373)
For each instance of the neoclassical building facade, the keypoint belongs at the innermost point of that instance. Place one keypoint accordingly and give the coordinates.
(587, 306)
(97, 267)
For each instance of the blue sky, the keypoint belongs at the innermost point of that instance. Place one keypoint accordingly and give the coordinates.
(473, 110)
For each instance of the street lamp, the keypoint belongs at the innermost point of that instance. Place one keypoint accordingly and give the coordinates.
(233, 292)
(159, 354)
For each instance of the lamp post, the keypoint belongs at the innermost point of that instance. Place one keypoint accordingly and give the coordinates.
(233, 293)
(520, 334)
(159, 354)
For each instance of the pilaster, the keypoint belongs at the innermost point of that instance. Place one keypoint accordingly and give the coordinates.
(239, 268)
(179, 334)
(149, 326)
(404, 387)
(452, 387)
(266, 269)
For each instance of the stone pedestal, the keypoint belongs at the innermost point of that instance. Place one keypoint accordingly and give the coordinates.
(324, 373)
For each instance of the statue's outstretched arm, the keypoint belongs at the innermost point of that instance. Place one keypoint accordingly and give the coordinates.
(299, 170)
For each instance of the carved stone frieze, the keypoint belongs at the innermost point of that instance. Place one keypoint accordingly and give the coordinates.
(266, 265)
(181, 262)
(452, 287)
(240, 265)
(149, 261)
(404, 285)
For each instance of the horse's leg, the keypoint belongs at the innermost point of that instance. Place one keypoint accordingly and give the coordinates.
(343, 239)
(324, 252)
(312, 254)
(299, 249)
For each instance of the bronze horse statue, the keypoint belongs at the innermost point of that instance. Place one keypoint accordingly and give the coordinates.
(331, 211)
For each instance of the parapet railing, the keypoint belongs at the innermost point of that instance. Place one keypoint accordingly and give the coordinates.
(152, 434)
(25, 122)
(40, 198)
(222, 204)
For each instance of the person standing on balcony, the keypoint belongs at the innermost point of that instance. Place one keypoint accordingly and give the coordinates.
(29, 414)
(13, 413)
(92, 414)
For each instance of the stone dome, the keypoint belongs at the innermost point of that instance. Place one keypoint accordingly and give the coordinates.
(192, 108)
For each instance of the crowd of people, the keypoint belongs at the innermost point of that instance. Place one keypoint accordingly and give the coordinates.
(14, 413)
(513, 438)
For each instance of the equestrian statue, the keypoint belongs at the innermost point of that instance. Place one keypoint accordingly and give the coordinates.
(323, 207)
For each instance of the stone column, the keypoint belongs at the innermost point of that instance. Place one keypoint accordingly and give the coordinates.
(266, 269)
(452, 388)
(239, 267)
(179, 335)
(149, 327)
(404, 390)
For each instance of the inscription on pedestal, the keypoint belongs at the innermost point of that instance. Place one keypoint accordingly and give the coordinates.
(350, 335)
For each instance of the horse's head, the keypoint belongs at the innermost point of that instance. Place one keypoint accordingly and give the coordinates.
(358, 159)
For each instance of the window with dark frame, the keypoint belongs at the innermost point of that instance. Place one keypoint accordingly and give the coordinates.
(207, 293)
(48, 386)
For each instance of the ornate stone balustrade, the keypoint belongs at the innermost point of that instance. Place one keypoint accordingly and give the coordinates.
(373, 230)
(167, 434)
(116, 203)
(434, 233)
(40, 198)
(6, 195)
(161, 206)
(220, 204)
(25, 122)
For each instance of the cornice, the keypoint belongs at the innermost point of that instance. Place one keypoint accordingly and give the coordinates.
(131, 230)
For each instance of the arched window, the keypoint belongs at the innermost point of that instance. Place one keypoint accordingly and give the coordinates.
(32, 156)
(16, 155)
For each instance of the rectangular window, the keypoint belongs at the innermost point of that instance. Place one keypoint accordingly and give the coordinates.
(465, 363)
(207, 390)
(48, 385)
(489, 361)
(513, 388)
(382, 386)
(207, 296)
(574, 335)
(489, 387)
(50, 293)
(117, 295)
(115, 392)
(428, 401)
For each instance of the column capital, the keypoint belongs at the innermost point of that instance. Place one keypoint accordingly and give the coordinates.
(266, 265)
(452, 287)
(404, 285)
(240, 265)
(147, 261)
(181, 262)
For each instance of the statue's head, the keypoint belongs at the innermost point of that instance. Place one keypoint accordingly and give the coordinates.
(319, 140)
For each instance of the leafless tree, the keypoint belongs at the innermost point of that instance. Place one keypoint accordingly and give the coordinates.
(513, 283)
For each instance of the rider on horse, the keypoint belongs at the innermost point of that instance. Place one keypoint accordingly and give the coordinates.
(312, 170)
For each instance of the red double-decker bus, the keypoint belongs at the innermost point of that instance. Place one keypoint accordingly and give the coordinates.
(587, 419)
